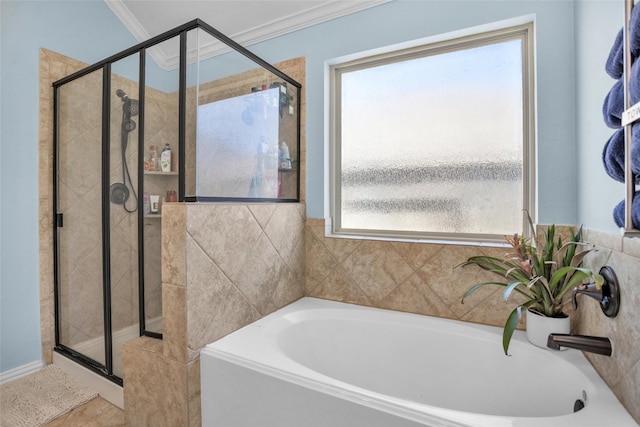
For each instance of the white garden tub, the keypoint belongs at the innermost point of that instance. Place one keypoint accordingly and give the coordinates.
(322, 363)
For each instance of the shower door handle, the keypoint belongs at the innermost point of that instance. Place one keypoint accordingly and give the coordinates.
(59, 221)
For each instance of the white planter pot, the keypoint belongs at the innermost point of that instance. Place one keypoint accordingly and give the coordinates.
(539, 327)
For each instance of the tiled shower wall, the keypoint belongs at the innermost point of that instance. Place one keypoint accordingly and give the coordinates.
(224, 266)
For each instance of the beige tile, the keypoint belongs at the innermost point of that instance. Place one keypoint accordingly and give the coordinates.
(416, 254)
(174, 322)
(285, 229)
(95, 413)
(339, 248)
(319, 262)
(493, 310)
(224, 232)
(215, 307)
(415, 296)
(602, 239)
(631, 246)
(338, 286)
(195, 407)
(174, 237)
(449, 281)
(262, 212)
(155, 389)
(296, 262)
(260, 274)
(377, 269)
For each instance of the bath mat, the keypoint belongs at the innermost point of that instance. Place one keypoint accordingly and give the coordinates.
(40, 397)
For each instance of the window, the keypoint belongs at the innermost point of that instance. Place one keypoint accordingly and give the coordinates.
(436, 141)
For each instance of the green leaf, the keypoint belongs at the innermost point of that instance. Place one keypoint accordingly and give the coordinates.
(478, 286)
(510, 326)
(509, 289)
(562, 272)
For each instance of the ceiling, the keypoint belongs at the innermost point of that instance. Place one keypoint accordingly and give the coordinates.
(245, 21)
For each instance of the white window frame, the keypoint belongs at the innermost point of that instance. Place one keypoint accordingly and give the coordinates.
(505, 30)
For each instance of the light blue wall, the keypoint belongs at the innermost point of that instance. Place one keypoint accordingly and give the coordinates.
(90, 32)
(400, 21)
(597, 23)
(85, 30)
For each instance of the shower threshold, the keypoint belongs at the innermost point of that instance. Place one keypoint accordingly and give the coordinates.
(108, 390)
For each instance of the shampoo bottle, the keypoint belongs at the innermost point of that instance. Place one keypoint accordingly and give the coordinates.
(153, 158)
(165, 159)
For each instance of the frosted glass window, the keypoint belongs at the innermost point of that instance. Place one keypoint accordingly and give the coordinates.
(435, 141)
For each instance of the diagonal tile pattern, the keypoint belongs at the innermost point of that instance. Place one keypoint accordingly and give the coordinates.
(418, 278)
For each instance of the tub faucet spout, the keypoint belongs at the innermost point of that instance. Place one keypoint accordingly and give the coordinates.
(598, 345)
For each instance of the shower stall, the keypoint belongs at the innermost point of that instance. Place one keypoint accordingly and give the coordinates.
(187, 116)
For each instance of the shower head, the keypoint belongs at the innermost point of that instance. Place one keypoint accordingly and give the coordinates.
(122, 95)
(130, 106)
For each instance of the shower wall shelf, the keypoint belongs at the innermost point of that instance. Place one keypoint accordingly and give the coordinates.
(173, 173)
(224, 139)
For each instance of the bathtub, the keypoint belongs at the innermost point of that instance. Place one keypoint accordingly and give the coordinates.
(329, 364)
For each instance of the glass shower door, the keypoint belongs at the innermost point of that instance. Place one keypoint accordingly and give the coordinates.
(97, 205)
(80, 309)
(124, 133)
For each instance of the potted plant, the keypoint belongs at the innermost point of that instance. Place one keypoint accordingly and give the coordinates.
(542, 273)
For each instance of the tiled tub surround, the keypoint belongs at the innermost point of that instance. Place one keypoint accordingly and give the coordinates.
(622, 370)
(414, 277)
(224, 266)
(422, 278)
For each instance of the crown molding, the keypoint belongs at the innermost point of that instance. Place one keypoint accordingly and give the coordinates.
(266, 31)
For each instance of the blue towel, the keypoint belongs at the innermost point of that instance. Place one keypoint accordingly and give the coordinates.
(618, 212)
(634, 32)
(635, 152)
(613, 105)
(613, 154)
(615, 65)
(634, 82)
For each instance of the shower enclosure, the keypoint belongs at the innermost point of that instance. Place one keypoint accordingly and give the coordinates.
(231, 123)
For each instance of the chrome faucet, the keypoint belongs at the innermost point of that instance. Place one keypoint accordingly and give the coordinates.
(598, 345)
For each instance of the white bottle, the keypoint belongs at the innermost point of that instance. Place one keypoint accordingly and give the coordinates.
(165, 159)
(285, 158)
(146, 204)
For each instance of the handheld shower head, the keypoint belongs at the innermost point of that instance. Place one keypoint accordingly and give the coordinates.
(130, 106)
(122, 94)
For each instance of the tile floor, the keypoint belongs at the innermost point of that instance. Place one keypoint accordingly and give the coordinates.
(96, 413)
